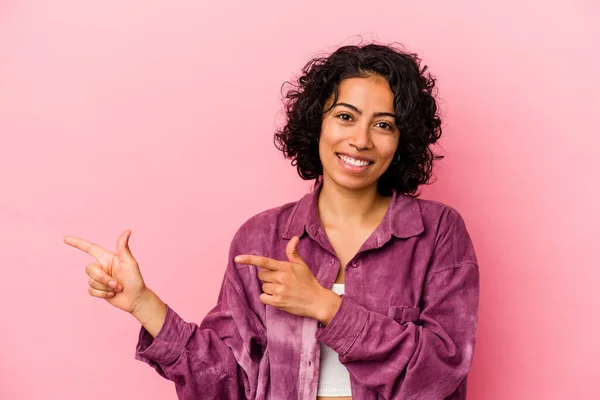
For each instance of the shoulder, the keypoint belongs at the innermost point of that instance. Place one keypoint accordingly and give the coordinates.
(448, 232)
(266, 226)
(436, 212)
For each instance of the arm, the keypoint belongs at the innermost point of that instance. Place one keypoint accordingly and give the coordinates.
(151, 312)
(407, 359)
(218, 359)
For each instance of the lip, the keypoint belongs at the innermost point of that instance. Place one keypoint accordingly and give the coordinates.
(355, 157)
(351, 168)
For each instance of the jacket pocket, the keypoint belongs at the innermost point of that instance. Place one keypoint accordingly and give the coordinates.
(404, 314)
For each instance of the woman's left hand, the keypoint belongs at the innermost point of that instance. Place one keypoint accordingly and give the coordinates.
(291, 286)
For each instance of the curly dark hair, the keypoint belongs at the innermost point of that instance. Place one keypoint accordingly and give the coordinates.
(415, 107)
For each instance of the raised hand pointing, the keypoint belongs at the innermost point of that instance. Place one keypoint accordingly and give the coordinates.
(116, 277)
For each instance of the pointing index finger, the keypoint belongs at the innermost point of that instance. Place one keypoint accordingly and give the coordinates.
(89, 247)
(259, 261)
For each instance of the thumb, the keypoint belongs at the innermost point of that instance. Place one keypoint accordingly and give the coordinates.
(291, 250)
(123, 246)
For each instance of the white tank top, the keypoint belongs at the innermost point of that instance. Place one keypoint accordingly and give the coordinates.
(334, 378)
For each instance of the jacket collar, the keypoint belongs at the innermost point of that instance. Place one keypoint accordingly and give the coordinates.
(402, 219)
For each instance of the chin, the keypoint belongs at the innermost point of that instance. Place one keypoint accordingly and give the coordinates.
(353, 183)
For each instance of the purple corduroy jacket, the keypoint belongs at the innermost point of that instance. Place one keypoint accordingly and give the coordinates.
(405, 328)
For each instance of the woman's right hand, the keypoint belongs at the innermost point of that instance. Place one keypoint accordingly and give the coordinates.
(113, 277)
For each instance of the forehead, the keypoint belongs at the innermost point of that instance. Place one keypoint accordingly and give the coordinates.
(364, 93)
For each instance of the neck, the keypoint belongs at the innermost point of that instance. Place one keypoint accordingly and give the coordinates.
(339, 206)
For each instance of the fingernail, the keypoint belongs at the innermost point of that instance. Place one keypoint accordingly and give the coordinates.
(238, 259)
(112, 284)
(110, 294)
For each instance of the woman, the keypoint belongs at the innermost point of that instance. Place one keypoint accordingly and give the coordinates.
(359, 289)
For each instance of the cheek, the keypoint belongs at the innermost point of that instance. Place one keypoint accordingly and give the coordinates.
(332, 132)
(387, 146)
(328, 144)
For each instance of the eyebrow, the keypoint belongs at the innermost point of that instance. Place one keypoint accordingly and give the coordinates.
(359, 112)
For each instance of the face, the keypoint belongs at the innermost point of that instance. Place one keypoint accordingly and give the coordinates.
(359, 136)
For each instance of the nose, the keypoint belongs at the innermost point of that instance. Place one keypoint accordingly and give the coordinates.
(361, 137)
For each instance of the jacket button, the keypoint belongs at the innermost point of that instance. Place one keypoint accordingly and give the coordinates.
(331, 262)
(355, 263)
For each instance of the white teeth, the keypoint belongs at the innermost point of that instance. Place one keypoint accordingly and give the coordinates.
(352, 161)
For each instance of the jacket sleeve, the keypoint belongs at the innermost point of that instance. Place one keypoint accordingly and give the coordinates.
(221, 357)
(427, 358)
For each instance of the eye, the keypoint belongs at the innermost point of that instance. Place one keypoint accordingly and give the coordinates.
(386, 126)
(343, 115)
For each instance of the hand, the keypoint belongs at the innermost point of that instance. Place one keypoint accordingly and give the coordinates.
(113, 277)
(291, 286)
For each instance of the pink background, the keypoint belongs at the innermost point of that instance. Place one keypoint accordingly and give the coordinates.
(158, 116)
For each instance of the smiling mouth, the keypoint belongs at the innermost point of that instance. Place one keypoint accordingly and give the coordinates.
(353, 162)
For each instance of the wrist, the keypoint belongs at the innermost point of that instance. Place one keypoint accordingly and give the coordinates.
(148, 300)
(150, 311)
(328, 306)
